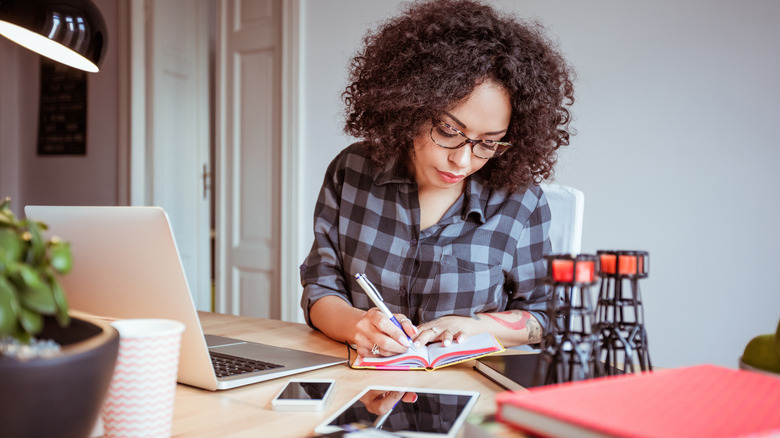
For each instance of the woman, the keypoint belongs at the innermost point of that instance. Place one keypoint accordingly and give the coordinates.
(461, 111)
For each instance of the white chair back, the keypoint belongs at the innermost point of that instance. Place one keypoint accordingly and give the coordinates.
(567, 206)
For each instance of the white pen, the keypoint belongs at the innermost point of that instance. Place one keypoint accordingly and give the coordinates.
(373, 293)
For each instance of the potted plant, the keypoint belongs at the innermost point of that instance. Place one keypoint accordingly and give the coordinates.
(57, 390)
(762, 354)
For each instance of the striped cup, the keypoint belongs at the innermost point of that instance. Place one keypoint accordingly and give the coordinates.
(142, 391)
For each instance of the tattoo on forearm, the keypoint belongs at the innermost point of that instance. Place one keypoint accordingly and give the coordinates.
(534, 331)
(526, 320)
(514, 325)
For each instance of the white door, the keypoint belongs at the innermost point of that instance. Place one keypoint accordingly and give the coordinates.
(249, 161)
(177, 131)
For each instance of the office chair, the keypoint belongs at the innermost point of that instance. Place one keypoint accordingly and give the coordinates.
(567, 206)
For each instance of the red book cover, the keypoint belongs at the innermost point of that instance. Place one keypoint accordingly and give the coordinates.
(697, 401)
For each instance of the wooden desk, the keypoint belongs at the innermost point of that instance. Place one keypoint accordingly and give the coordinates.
(246, 411)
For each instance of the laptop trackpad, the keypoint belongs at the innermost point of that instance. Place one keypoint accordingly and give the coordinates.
(218, 341)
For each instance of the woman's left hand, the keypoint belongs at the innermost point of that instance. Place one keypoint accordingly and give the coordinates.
(446, 330)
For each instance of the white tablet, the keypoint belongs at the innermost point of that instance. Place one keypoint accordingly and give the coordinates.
(409, 412)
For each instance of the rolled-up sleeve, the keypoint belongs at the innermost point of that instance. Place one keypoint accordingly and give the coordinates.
(321, 273)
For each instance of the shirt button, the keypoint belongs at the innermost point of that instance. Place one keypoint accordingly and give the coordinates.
(413, 242)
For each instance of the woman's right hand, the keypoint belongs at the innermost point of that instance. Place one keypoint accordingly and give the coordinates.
(380, 402)
(375, 331)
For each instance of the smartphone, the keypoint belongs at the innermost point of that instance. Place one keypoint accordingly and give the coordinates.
(303, 395)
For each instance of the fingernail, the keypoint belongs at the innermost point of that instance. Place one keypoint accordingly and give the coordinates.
(417, 344)
(447, 342)
(461, 339)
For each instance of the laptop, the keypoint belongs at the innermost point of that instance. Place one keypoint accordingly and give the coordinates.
(126, 265)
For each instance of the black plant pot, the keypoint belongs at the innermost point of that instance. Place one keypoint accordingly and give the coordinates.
(59, 396)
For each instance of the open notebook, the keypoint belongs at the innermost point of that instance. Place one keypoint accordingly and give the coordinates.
(434, 356)
(127, 265)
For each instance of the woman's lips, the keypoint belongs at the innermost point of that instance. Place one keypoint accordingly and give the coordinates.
(450, 178)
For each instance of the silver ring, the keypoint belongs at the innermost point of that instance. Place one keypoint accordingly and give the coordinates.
(375, 350)
(434, 330)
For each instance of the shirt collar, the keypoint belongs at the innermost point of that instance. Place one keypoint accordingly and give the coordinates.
(476, 199)
(391, 174)
(476, 196)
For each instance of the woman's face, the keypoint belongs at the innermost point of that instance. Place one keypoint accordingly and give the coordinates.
(483, 116)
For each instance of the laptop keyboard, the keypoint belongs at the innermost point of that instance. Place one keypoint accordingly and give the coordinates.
(226, 365)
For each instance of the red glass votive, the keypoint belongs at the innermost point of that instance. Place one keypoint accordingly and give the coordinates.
(563, 270)
(628, 263)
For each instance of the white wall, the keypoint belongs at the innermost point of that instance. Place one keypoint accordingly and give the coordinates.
(676, 103)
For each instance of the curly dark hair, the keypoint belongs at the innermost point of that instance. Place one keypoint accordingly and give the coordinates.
(429, 59)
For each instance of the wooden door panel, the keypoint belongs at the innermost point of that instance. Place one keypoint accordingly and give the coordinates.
(249, 145)
(178, 132)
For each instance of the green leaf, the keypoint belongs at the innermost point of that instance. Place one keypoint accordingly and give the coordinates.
(7, 217)
(31, 322)
(62, 303)
(9, 306)
(21, 335)
(5, 220)
(40, 298)
(41, 225)
(10, 246)
(29, 275)
(61, 258)
(37, 242)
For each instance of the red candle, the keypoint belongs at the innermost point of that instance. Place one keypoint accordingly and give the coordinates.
(608, 263)
(626, 264)
(563, 271)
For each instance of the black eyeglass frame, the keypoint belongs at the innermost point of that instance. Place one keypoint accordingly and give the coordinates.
(498, 152)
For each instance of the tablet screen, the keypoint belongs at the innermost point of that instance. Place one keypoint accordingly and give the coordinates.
(406, 411)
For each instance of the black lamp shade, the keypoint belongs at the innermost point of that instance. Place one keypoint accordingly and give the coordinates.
(72, 32)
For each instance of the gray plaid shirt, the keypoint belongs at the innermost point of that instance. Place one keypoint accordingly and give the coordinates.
(484, 255)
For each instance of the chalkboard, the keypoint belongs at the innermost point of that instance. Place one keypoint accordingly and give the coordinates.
(62, 124)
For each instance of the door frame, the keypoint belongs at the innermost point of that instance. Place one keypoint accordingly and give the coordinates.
(133, 166)
(291, 165)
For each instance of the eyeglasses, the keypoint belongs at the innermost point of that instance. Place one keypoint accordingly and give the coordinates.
(450, 137)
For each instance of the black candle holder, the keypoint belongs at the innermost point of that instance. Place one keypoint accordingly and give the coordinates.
(569, 346)
(620, 315)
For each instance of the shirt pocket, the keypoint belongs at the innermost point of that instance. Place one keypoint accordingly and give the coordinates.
(464, 288)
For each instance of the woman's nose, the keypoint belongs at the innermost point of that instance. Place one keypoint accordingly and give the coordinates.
(462, 155)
